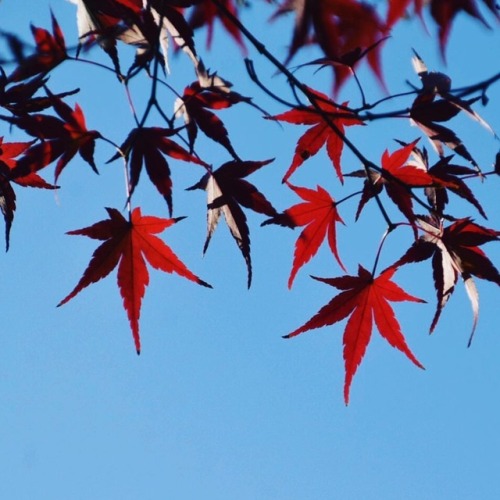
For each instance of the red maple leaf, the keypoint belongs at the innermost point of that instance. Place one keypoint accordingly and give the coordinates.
(397, 176)
(8, 152)
(443, 13)
(320, 133)
(61, 138)
(147, 146)
(318, 213)
(50, 52)
(446, 177)
(339, 27)
(128, 244)
(365, 299)
(195, 106)
(226, 190)
(455, 252)
(205, 13)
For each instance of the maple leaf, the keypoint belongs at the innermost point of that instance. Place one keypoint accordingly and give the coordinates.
(226, 190)
(61, 138)
(106, 21)
(8, 152)
(397, 176)
(128, 244)
(445, 177)
(148, 146)
(426, 110)
(194, 107)
(455, 252)
(126, 20)
(339, 27)
(205, 13)
(50, 52)
(365, 299)
(444, 13)
(20, 98)
(318, 213)
(496, 166)
(320, 133)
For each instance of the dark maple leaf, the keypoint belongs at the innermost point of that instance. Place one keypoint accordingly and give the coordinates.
(9, 151)
(61, 138)
(20, 98)
(445, 177)
(426, 110)
(205, 14)
(148, 146)
(455, 252)
(339, 27)
(398, 177)
(226, 190)
(318, 213)
(194, 107)
(365, 299)
(50, 52)
(105, 21)
(125, 20)
(128, 244)
(320, 133)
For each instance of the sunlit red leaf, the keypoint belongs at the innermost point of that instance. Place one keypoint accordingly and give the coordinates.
(318, 213)
(398, 177)
(445, 12)
(363, 298)
(320, 132)
(339, 27)
(129, 244)
(205, 14)
(446, 177)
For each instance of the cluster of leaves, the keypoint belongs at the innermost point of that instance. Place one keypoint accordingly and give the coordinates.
(348, 32)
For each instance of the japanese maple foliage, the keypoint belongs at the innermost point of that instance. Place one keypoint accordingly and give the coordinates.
(147, 146)
(321, 131)
(8, 154)
(226, 190)
(50, 52)
(60, 138)
(129, 244)
(167, 118)
(455, 252)
(398, 177)
(363, 298)
(318, 213)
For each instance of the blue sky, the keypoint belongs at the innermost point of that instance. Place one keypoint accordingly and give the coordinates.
(219, 406)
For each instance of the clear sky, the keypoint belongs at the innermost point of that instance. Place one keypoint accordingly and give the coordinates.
(218, 406)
